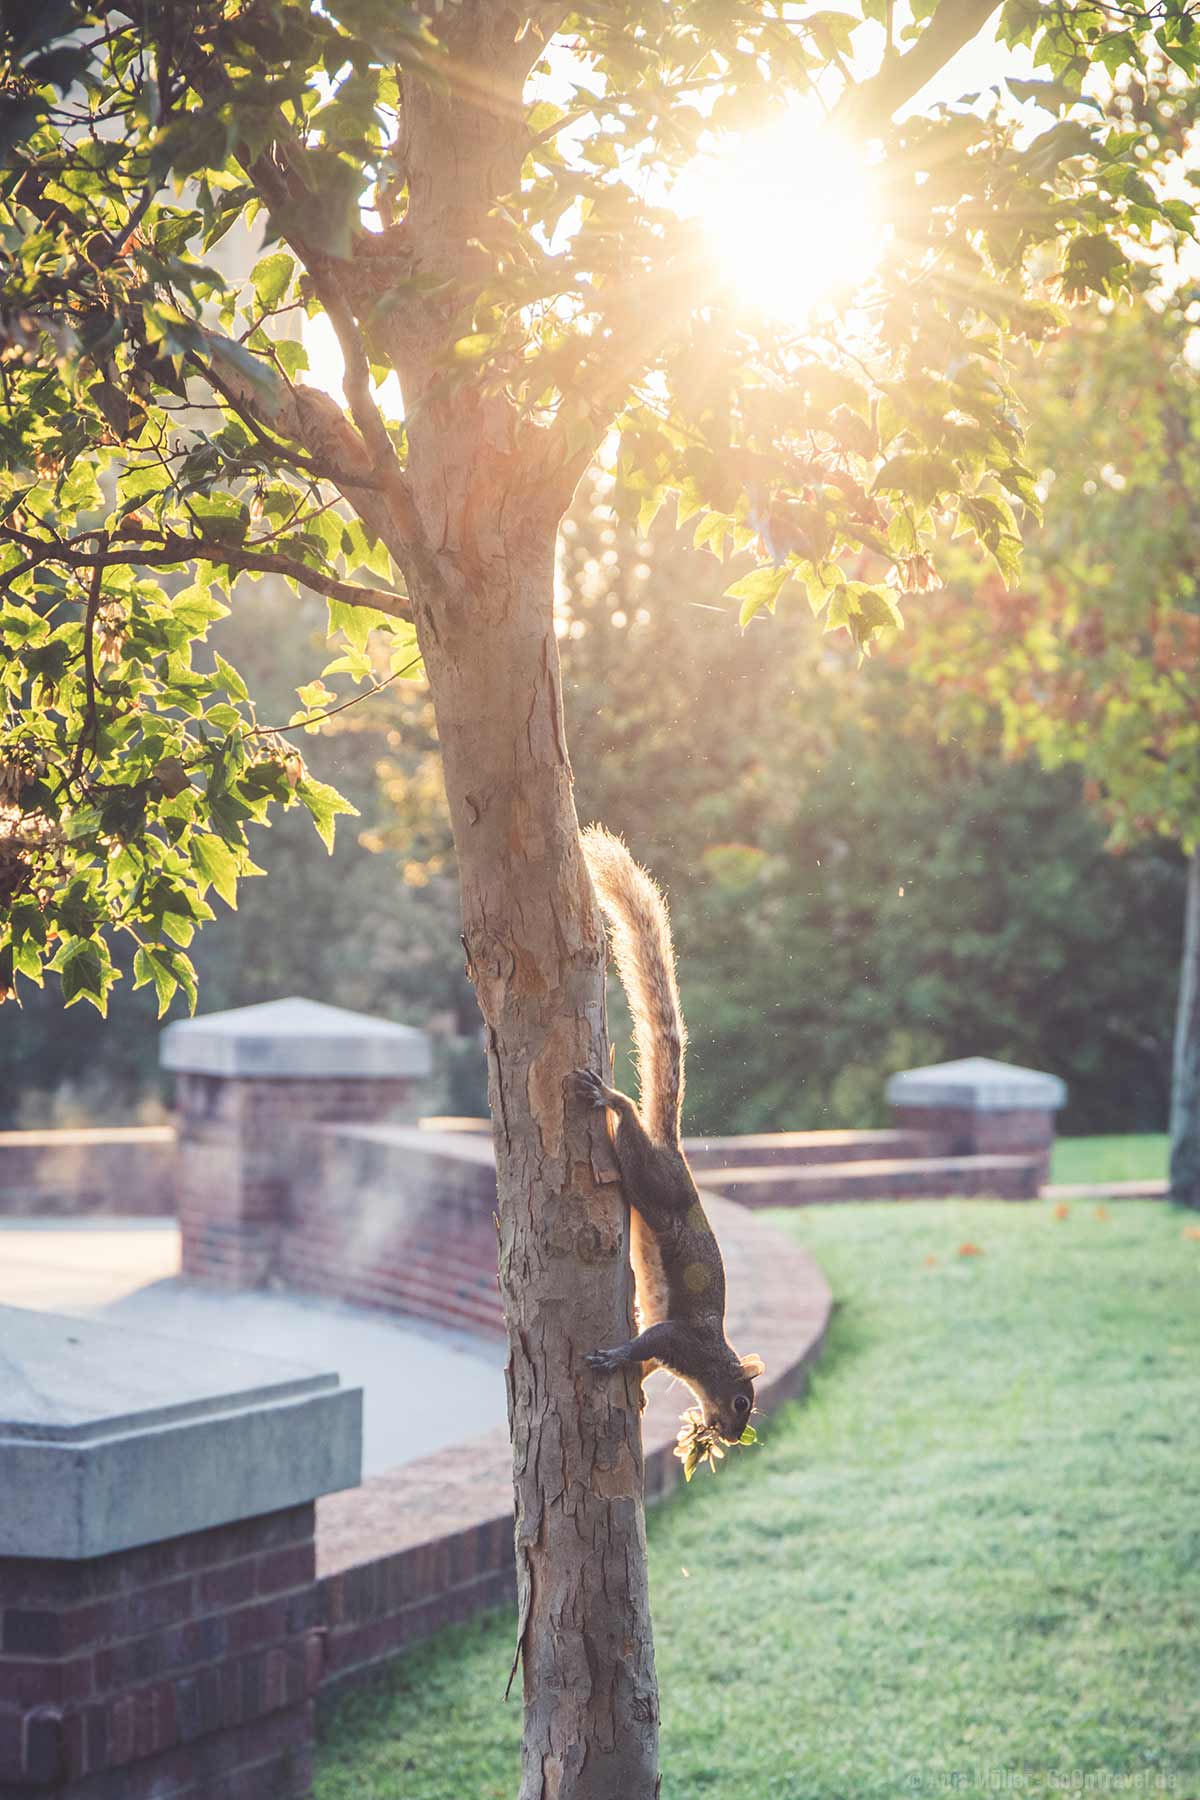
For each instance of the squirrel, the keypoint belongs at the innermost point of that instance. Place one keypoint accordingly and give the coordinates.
(677, 1262)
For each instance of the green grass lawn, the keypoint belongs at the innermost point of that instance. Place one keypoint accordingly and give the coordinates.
(968, 1563)
(1136, 1157)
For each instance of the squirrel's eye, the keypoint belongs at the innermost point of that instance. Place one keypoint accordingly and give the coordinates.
(740, 1403)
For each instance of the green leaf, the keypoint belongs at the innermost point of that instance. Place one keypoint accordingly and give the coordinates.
(314, 696)
(20, 624)
(760, 588)
(355, 663)
(149, 966)
(649, 510)
(87, 974)
(217, 865)
(231, 681)
(920, 477)
(475, 346)
(324, 803)
(1093, 264)
(196, 607)
(358, 622)
(711, 533)
(270, 278)
(543, 116)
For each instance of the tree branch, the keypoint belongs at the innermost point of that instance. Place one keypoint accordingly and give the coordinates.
(175, 548)
(375, 485)
(271, 175)
(343, 706)
(901, 78)
(279, 446)
(314, 420)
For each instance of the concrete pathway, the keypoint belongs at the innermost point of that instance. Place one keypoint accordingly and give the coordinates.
(424, 1387)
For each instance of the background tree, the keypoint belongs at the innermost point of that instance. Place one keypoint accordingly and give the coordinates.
(1094, 662)
(528, 283)
(852, 892)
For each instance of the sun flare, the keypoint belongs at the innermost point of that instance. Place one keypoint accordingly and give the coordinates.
(791, 213)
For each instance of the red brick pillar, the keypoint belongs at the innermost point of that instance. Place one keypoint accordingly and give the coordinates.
(160, 1629)
(187, 1667)
(980, 1107)
(247, 1084)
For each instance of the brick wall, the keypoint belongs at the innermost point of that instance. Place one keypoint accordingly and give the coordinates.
(399, 1218)
(112, 1169)
(183, 1669)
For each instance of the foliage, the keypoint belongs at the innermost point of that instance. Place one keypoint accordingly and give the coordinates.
(157, 438)
(1094, 660)
(356, 929)
(965, 1556)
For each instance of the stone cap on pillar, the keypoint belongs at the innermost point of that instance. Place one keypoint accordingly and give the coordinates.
(111, 1438)
(977, 1084)
(296, 1039)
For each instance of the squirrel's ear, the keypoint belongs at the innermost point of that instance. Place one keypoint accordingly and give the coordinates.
(753, 1367)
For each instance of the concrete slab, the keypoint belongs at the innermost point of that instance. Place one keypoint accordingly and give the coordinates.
(294, 1037)
(979, 1082)
(424, 1387)
(74, 1380)
(111, 1437)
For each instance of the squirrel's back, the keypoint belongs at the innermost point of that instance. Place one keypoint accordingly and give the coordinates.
(640, 930)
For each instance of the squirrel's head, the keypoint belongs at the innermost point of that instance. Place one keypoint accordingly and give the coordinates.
(727, 1410)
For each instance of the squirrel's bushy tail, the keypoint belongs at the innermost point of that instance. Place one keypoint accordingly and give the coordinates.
(640, 929)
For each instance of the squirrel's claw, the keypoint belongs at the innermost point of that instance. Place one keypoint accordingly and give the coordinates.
(604, 1360)
(587, 1085)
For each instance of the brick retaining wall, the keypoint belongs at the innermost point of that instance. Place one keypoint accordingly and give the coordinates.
(396, 1217)
(107, 1169)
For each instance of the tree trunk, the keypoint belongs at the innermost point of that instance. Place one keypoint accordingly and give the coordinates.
(535, 949)
(486, 485)
(1185, 1074)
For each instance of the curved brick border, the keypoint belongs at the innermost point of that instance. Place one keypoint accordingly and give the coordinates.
(432, 1542)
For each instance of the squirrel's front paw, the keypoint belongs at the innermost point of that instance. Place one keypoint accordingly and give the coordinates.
(604, 1360)
(587, 1086)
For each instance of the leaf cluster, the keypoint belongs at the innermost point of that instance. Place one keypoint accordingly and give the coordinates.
(697, 1443)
